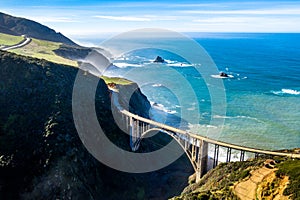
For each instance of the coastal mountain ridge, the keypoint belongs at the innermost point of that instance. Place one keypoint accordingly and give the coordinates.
(42, 156)
(21, 26)
(45, 42)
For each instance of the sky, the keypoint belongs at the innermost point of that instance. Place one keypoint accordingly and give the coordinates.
(88, 18)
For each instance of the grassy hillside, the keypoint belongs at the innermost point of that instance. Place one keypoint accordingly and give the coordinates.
(116, 80)
(44, 50)
(21, 26)
(7, 40)
(54, 52)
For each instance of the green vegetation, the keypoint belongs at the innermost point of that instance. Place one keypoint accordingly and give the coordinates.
(42, 156)
(44, 50)
(218, 183)
(291, 168)
(8, 40)
(21, 26)
(116, 80)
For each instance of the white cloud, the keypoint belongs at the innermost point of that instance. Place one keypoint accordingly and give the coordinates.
(124, 18)
(161, 18)
(223, 20)
(245, 16)
(54, 19)
(145, 18)
(245, 24)
(290, 11)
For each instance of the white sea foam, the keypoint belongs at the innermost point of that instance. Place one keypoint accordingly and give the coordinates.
(218, 76)
(236, 117)
(179, 65)
(221, 117)
(125, 65)
(290, 91)
(191, 108)
(160, 107)
(286, 91)
(172, 63)
(157, 85)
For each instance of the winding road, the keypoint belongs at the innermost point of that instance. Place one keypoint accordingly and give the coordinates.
(23, 43)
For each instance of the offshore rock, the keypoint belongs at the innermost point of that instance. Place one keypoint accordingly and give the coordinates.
(159, 60)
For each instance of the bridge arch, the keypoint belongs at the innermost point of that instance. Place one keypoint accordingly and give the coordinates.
(195, 146)
(173, 135)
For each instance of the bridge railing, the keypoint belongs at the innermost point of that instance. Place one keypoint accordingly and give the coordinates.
(209, 140)
(188, 134)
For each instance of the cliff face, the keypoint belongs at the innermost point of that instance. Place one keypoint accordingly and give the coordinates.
(41, 154)
(132, 99)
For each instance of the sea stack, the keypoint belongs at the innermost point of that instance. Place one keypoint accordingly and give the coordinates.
(159, 60)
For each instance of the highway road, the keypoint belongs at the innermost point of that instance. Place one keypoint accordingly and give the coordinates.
(26, 41)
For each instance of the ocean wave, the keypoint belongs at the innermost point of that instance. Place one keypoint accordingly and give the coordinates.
(175, 63)
(236, 117)
(160, 107)
(218, 76)
(157, 85)
(124, 61)
(179, 65)
(286, 92)
(191, 108)
(125, 65)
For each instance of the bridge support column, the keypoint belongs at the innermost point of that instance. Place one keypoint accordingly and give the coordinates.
(216, 156)
(135, 134)
(242, 157)
(132, 133)
(228, 157)
(202, 160)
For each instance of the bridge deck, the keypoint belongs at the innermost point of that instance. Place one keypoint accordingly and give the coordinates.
(209, 140)
(195, 146)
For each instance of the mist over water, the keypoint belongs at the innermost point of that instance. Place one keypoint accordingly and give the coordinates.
(263, 95)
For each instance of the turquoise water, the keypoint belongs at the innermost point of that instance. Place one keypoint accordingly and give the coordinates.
(262, 98)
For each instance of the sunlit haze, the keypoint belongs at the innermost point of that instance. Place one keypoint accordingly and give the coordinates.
(76, 18)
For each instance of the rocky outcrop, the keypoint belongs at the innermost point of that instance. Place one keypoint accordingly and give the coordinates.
(41, 154)
(132, 99)
(159, 59)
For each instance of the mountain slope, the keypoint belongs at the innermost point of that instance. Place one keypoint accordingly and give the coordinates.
(21, 26)
(41, 154)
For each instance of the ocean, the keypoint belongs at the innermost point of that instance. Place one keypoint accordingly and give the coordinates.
(262, 95)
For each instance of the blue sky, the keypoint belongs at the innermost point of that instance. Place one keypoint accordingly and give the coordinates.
(76, 18)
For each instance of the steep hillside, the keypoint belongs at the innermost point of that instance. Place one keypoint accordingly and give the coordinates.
(256, 179)
(41, 155)
(20, 26)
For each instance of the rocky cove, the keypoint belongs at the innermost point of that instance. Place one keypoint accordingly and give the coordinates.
(41, 154)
